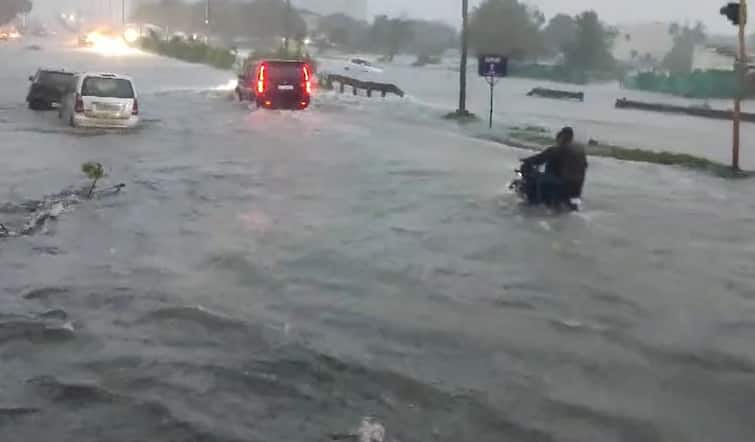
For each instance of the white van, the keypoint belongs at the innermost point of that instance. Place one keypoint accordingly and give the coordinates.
(101, 101)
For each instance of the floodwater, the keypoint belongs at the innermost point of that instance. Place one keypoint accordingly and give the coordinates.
(596, 118)
(355, 268)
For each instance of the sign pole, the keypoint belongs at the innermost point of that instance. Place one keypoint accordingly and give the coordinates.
(491, 81)
(740, 71)
(491, 68)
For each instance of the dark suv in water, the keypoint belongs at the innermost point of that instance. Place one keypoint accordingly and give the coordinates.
(276, 84)
(47, 87)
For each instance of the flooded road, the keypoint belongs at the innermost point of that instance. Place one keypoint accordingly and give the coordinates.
(435, 88)
(275, 276)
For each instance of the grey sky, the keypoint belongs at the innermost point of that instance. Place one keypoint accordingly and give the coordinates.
(612, 11)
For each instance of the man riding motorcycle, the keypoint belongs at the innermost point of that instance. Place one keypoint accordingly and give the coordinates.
(564, 176)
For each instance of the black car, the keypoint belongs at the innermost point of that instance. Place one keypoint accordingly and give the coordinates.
(276, 84)
(47, 88)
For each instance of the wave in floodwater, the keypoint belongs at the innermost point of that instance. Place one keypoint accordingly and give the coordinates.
(258, 387)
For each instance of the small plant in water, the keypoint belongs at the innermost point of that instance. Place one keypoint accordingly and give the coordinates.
(93, 171)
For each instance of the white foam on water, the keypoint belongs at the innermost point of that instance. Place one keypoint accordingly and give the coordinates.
(370, 431)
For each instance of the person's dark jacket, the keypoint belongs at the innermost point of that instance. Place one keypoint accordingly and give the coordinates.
(567, 163)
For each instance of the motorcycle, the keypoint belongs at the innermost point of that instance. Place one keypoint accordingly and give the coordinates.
(525, 187)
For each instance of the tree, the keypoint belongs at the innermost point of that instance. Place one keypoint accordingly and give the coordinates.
(262, 19)
(673, 29)
(560, 33)
(10, 9)
(343, 30)
(389, 35)
(431, 37)
(506, 27)
(591, 50)
(680, 60)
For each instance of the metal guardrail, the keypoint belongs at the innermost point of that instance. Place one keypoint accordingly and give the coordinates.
(329, 80)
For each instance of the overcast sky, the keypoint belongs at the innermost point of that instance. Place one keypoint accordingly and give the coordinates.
(612, 11)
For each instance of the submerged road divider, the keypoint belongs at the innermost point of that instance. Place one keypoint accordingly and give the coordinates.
(555, 93)
(328, 80)
(695, 111)
(537, 138)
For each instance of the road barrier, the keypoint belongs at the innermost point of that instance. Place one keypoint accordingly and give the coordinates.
(328, 80)
(555, 93)
(704, 112)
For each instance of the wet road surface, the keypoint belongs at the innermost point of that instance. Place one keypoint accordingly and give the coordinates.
(283, 276)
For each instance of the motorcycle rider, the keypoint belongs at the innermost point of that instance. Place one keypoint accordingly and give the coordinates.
(565, 168)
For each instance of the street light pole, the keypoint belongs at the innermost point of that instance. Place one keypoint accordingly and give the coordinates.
(741, 66)
(123, 12)
(288, 25)
(463, 65)
(207, 19)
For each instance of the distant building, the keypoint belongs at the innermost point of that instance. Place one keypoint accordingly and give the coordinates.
(717, 57)
(353, 8)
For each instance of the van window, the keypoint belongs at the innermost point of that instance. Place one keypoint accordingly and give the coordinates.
(107, 87)
(289, 72)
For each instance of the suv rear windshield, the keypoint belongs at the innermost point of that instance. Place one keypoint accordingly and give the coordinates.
(285, 71)
(107, 87)
(56, 79)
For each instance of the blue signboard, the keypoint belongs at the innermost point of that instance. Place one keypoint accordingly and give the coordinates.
(493, 66)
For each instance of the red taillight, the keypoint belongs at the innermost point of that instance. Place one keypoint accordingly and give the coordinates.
(261, 80)
(78, 107)
(135, 108)
(307, 81)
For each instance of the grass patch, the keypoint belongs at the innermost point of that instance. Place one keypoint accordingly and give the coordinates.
(461, 117)
(536, 138)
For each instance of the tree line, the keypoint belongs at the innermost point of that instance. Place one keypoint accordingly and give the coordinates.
(522, 32)
(10, 9)
(579, 43)
(267, 21)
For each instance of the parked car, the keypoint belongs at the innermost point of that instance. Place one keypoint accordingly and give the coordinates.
(47, 88)
(102, 101)
(361, 65)
(276, 84)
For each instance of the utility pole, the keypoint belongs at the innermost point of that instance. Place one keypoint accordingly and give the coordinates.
(288, 26)
(463, 65)
(207, 19)
(123, 12)
(737, 14)
(741, 67)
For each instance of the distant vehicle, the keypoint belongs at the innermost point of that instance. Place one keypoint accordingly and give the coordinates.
(362, 65)
(277, 84)
(40, 30)
(47, 88)
(101, 101)
(84, 41)
(4, 35)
